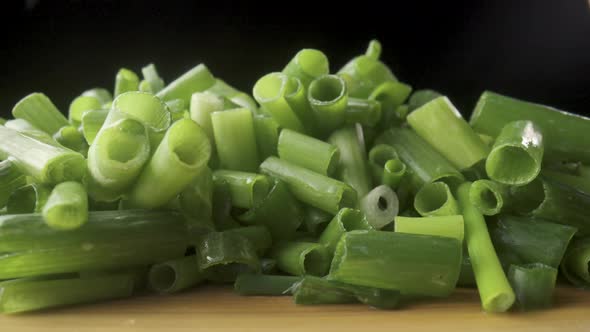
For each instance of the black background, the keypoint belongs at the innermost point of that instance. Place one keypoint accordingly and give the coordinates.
(535, 50)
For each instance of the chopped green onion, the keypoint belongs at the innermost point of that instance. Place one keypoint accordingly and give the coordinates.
(235, 139)
(195, 80)
(316, 220)
(421, 97)
(385, 165)
(203, 104)
(271, 91)
(440, 124)
(267, 136)
(328, 97)
(435, 199)
(576, 263)
(475, 172)
(246, 189)
(264, 285)
(25, 128)
(430, 264)
(449, 226)
(196, 199)
(308, 152)
(364, 111)
(307, 65)
(380, 206)
(489, 197)
(302, 258)
(10, 180)
(177, 110)
(311, 188)
(175, 275)
(268, 265)
(533, 285)
(494, 290)
(466, 277)
(103, 95)
(150, 75)
(46, 163)
(578, 182)
(345, 220)
(392, 95)
(239, 98)
(257, 235)
(67, 206)
(516, 156)
(125, 81)
(39, 111)
(28, 199)
(71, 138)
(177, 161)
(92, 121)
(141, 106)
(80, 105)
(353, 168)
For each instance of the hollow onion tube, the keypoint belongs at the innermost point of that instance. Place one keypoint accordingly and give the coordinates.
(30, 198)
(150, 74)
(197, 79)
(271, 91)
(278, 202)
(257, 235)
(576, 262)
(10, 180)
(71, 138)
(103, 95)
(489, 197)
(39, 111)
(435, 199)
(522, 241)
(203, 104)
(196, 199)
(515, 158)
(267, 136)
(345, 220)
(440, 124)
(141, 106)
(302, 258)
(125, 81)
(421, 97)
(352, 168)
(449, 226)
(493, 111)
(264, 285)
(311, 188)
(307, 65)
(92, 121)
(237, 97)
(175, 275)
(493, 286)
(430, 264)
(67, 206)
(578, 182)
(391, 95)
(385, 165)
(22, 295)
(109, 240)
(246, 189)
(533, 285)
(181, 156)
(222, 256)
(235, 140)
(316, 220)
(364, 111)
(80, 105)
(46, 163)
(380, 206)
(424, 164)
(308, 152)
(328, 97)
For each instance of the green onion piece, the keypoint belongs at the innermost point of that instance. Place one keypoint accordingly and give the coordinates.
(487, 140)
(222, 207)
(353, 168)
(24, 295)
(475, 172)
(522, 241)
(494, 290)
(150, 74)
(449, 226)
(181, 156)
(466, 277)
(580, 183)
(271, 91)
(25, 128)
(144, 86)
(141, 106)
(494, 111)
(67, 206)
(10, 180)
(430, 264)
(246, 189)
(267, 136)
(71, 138)
(533, 285)
(380, 206)
(302, 258)
(195, 80)
(39, 111)
(385, 165)
(92, 121)
(268, 265)
(489, 197)
(202, 105)
(316, 220)
(425, 165)
(576, 262)
(177, 110)
(440, 124)
(257, 235)
(196, 199)
(239, 98)
(278, 202)
(80, 105)
(328, 97)
(307, 65)
(235, 139)
(392, 95)
(30, 198)
(364, 111)
(308, 152)
(311, 188)
(435, 199)
(103, 95)
(222, 256)
(175, 275)
(126, 81)
(46, 163)
(421, 97)
(374, 49)
(109, 240)
(516, 156)
(345, 220)
(264, 285)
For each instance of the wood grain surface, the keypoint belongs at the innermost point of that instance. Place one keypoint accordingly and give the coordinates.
(219, 309)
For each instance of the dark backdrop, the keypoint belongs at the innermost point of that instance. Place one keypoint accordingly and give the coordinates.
(536, 50)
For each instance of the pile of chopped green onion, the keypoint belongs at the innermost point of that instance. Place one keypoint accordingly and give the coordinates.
(340, 187)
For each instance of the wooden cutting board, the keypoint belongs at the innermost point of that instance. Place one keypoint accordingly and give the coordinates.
(219, 309)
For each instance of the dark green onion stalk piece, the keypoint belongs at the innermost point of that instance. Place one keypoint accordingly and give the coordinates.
(302, 258)
(316, 220)
(328, 97)
(436, 199)
(345, 221)
(30, 198)
(380, 206)
(222, 207)
(67, 206)
(258, 235)
(352, 167)
(10, 180)
(235, 140)
(264, 285)
(246, 189)
(576, 263)
(308, 152)
(175, 275)
(576, 181)
(197, 79)
(196, 200)
(449, 226)
(489, 197)
(533, 285)
(39, 111)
